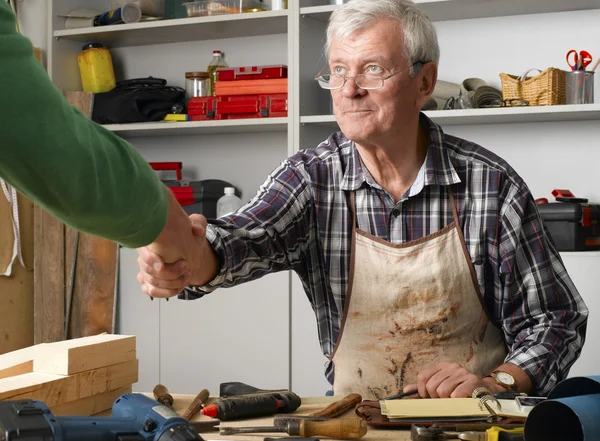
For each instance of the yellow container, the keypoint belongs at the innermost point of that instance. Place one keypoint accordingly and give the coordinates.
(96, 69)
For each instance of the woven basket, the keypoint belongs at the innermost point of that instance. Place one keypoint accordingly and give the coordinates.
(546, 89)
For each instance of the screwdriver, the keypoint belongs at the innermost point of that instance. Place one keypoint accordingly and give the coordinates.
(494, 434)
(162, 395)
(340, 428)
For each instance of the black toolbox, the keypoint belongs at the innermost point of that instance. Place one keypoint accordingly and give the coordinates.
(574, 226)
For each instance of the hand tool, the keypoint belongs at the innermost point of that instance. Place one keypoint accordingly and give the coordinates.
(580, 60)
(196, 405)
(334, 409)
(244, 401)
(418, 432)
(341, 428)
(135, 417)
(494, 434)
(402, 395)
(162, 395)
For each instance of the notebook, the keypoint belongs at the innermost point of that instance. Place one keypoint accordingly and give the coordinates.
(449, 409)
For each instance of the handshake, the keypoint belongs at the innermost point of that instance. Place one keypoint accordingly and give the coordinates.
(180, 256)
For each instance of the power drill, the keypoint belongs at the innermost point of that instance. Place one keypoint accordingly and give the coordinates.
(135, 417)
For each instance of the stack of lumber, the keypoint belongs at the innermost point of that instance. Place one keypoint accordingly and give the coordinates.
(82, 376)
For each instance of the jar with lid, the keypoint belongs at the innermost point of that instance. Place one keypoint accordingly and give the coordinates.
(197, 84)
(96, 69)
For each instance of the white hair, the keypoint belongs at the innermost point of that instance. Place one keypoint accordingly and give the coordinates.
(420, 37)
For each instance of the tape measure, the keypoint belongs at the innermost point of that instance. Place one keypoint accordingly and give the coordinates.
(11, 196)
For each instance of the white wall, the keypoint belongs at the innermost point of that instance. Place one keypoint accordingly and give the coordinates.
(33, 21)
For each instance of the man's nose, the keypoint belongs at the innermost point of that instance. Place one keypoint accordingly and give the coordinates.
(351, 90)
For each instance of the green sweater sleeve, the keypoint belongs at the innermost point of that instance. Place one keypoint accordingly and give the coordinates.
(80, 172)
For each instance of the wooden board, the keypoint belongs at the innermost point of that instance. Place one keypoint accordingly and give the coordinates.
(90, 405)
(49, 278)
(83, 354)
(16, 291)
(94, 290)
(59, 389)
(17, 362)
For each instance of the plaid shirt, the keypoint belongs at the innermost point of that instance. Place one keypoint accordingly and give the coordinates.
(300, 220)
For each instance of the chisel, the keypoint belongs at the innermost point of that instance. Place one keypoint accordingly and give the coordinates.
(334, 409)
(162, 395)
(341, 428)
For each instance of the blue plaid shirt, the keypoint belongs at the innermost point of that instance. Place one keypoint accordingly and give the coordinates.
(300, 220)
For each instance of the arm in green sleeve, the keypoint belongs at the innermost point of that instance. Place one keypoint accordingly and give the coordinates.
(83, 174)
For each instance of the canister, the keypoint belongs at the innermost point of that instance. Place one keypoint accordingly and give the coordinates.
(96, 69)
(197, 84)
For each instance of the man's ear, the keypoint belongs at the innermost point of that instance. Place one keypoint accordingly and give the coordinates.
(427, 79)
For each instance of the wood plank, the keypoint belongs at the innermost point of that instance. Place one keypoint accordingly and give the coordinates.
(59, 389)
(83, 354)
(90, 405)
(49, 277)
(95, 278)
(16, 291)
(17, 362)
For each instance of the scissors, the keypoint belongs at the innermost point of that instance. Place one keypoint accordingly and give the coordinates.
(580, 61)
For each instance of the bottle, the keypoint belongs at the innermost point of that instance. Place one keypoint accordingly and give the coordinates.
(217, 62)
(228, 203)
(96, 69)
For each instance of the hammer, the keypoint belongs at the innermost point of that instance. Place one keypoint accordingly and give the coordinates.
(331, 411)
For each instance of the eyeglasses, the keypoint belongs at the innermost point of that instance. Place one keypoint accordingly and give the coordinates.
(331, 81)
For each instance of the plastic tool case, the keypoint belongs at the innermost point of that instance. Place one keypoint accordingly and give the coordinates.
(574, 226)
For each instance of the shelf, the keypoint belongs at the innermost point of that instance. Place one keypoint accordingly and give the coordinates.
(441, 10)
(228, 126)
(183, 29)
(595, 254)
(581, 112)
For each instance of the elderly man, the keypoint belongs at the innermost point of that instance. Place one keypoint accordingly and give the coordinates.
(423, 255)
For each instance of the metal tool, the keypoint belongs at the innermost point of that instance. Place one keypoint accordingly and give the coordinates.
(578, 61)
(402, 395)
(162, 395)
(135, 417)
(340, 428)
(333, 410)
(418, 432)
(494, 434)
(196, 405)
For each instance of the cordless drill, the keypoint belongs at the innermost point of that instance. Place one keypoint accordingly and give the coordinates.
(135, 417)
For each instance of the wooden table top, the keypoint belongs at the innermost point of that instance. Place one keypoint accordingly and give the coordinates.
(309, 405)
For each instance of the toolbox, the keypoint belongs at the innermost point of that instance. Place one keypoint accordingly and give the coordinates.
(252, 72)
(251, 87)
(573, 223)
(204, 108)
(195, 197)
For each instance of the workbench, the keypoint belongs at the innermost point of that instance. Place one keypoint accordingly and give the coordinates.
(309, 405)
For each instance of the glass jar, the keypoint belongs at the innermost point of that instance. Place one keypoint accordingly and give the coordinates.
(197, 84)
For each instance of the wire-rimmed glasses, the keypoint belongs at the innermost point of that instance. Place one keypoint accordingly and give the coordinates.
(330, 81)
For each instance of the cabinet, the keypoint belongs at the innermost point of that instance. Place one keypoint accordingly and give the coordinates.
(264, 332)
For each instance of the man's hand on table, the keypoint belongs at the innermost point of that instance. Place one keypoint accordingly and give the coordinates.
(450, 380)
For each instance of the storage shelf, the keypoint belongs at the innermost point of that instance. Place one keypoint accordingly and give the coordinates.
(248, 24)
(581, 112)
(228, 126)
(441, 10)
(595, 254)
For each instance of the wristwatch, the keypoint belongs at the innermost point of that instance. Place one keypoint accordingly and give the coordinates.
(505, 380)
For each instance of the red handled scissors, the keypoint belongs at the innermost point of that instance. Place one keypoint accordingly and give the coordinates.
(579, 61)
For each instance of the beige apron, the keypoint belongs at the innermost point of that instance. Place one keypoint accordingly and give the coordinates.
(408, 307)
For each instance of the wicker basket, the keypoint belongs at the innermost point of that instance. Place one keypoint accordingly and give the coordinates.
(546, 89)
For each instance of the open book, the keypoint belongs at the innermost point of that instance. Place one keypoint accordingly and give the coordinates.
(449, 409)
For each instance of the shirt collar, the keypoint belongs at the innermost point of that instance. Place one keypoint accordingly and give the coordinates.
(436, 170)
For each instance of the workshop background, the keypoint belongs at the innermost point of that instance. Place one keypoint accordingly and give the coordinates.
(264, 333)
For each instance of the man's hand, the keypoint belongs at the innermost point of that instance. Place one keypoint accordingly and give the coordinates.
(180, 255)
(449, 380)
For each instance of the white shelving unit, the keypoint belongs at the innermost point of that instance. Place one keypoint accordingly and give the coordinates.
(245, 151)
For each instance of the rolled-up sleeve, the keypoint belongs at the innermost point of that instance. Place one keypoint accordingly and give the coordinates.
(542, 313)
(267, 235)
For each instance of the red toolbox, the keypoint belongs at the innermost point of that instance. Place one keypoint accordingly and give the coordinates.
(238, 107)
(251, 87)
(252, 72)
(194, 196)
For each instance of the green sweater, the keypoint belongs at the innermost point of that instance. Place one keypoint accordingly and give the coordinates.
(83, 174)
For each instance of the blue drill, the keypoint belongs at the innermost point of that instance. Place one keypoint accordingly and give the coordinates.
(135, 417)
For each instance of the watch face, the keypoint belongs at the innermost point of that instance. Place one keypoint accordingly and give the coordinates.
(505, 378)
